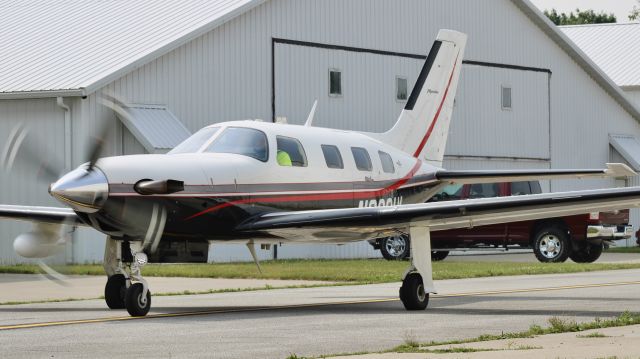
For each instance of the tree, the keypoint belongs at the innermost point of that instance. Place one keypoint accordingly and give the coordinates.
(580, 17)
(635, 13)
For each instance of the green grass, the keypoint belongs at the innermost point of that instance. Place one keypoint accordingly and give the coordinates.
(354, 271)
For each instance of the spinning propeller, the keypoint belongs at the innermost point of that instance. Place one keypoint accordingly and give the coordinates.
(84, 189)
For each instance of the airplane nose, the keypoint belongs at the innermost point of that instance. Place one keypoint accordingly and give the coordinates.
(81, 189)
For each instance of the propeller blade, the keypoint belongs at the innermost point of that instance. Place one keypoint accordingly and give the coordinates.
(19, 149)
(97, 147)
(54, 276)
(155, 229)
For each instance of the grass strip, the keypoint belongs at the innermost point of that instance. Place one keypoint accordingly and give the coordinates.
(356, 270)
(635, 249)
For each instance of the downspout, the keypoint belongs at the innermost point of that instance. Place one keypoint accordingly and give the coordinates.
(67, 166)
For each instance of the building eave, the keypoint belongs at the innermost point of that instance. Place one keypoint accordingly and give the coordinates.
(22, 95)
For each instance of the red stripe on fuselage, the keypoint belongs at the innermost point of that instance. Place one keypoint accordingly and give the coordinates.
(315, 197)
(435, 118)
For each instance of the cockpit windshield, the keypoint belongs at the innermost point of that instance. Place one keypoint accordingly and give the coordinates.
(194, 143)
(242, 141)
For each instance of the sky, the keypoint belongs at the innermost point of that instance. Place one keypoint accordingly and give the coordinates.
(621, 8)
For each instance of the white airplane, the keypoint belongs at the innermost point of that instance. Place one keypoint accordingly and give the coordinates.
(263, 183)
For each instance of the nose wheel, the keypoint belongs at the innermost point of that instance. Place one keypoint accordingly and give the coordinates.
(126, 288)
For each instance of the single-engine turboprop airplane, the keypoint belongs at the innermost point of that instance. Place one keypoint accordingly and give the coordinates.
(256, 182)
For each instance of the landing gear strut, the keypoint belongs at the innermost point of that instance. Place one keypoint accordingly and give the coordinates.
(417, 283)
(126, 288)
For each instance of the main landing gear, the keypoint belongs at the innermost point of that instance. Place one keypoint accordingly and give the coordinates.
(417, 282)
(126, 288)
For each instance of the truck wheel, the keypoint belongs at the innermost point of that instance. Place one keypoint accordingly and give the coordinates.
(551, 245)
(396, 247)
(439, 255)
(587, 254)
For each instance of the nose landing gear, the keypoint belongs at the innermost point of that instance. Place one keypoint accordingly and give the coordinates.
(126, 288)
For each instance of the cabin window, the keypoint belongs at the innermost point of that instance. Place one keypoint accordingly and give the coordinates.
(401, 89)
(387, 162)
(335, 82)
(361, 156)
(242, 141)
(290, 152)
(506, 98)
(195, 142)
(332, 156)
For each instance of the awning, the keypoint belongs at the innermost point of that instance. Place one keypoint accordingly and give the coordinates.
(154, 126)
(628, 147)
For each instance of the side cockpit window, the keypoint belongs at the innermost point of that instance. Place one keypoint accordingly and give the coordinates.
(387, 162)
(332, 156)
(361, 156)
(242, 141)
(290, 152)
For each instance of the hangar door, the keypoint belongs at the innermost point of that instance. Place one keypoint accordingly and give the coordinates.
(501, 111)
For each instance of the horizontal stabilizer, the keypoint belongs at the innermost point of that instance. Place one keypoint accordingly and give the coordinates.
(469, 177)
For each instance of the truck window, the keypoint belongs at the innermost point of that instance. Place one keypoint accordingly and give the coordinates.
(450, 193)
(535, 187)
(520, 188)
(484, 190)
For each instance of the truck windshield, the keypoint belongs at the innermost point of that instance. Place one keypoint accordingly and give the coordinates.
(242, 141)
(449, 193)
(195, 142)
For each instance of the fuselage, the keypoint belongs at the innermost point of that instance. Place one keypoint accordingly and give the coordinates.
(235, 170)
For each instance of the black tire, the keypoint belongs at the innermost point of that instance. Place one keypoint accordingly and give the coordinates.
(114, 291)
(588, 253)
(412, 293)
(439, 255)
(134, 303)
(551, 245)
(396, 247)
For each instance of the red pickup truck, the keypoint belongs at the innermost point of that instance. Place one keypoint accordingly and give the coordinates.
(580, 237)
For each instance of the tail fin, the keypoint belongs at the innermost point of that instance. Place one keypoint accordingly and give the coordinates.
(423, 125)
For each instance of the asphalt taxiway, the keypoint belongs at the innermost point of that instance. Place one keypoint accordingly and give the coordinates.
(311, 321)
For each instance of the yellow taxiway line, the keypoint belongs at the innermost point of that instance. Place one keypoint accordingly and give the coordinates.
(294, 306)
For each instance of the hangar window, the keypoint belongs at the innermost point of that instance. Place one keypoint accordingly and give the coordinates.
(332, 156)
(290, 152)
(387, 162)
(506, 98)
(401, 89)
(335, 82)
(361, 156)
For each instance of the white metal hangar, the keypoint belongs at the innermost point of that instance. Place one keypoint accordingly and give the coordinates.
(528, 97)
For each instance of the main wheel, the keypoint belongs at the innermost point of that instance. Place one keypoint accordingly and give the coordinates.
(587, 254)
(551, 245)
(115, 290)
(439, 255)
(396, 247)
(136, 304)
(412, 292)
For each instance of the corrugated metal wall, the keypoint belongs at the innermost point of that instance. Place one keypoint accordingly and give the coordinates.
(227, 75)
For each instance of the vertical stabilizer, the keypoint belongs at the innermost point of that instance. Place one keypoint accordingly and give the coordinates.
(423, 125)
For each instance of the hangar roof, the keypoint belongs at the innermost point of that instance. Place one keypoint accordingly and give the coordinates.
(75, 47)
(614, 47)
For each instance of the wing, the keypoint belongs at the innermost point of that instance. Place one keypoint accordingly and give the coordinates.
(469, 177)
(51, 215)
(363, 223)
